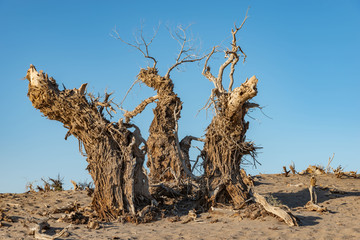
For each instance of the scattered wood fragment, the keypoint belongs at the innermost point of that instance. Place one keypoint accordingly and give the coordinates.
(222, 210)
(174, 219)
(67, 208)
(339, 172)
(317, 170)
(76, 186)
(314, 207)
(93, 224)
(329, 162)
(75, 218)
(190, 217)
(145, 211)
(42, 224)
(286, 172)
(4, 217)
(292, 168)
(312, 204)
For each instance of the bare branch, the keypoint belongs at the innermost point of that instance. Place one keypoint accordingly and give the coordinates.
(128, 91)
(186, 53)
(206, 71)
(232, 58)
(231, 75)
(128, 115)
(142, 46)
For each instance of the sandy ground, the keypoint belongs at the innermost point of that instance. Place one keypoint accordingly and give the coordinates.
(340, 196)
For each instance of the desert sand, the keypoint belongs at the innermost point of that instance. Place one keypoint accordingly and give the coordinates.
(340, 196)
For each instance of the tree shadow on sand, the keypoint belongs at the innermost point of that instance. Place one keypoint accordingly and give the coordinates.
(300, 198)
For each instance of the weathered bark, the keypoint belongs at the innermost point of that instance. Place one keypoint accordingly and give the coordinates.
(163, 159)
(225, 145)
(225, 141)
(115, 160)
(287, 216)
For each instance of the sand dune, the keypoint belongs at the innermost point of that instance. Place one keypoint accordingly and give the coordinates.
(340, 196)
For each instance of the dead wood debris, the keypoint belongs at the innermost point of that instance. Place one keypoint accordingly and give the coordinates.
(338, 172)
(312, 169)
(312, 204)
(286, 173)
(4, 217)
(76, 186)
(74, 206)
(285, 215)
(190, 217)
(75, 218)
(38, 226)
(292, 168)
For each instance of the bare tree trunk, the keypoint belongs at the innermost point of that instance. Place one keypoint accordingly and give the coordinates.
(225, 145)
(113, 151)
(225, 142)
(163, 158)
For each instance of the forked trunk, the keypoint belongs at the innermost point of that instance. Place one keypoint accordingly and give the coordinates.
(113, 151)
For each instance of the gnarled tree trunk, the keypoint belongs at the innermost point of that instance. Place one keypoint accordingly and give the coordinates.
(225, 142)
(163, 158)
(225, 145)
(166, 160)
(115, 160)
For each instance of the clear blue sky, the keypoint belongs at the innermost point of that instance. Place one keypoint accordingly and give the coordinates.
(306, 55)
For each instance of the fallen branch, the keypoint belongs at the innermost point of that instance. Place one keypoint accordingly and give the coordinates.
(285, 215)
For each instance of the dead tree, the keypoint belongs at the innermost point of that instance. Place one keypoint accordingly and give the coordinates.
(114, 155)
(225, 142)
(164, 158)
(225, 138)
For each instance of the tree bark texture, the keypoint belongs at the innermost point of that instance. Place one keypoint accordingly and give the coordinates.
(225, 144)
(163, 158)
(115, 160)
